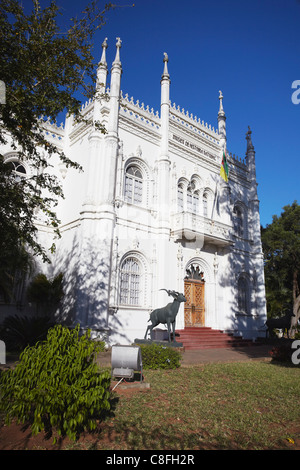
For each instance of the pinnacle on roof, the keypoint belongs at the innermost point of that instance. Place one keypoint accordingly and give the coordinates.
(250, 145)
(165, 72)
(117, 60)
(103, 57)
(221, 110)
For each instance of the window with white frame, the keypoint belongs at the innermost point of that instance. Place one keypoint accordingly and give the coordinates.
(17, 167)
(195, 202)
(133, 191)
(188, 197)
(180, 203)
(205, 204)
(238, 221)
(192, 198)
(243, 295)
(130, 282)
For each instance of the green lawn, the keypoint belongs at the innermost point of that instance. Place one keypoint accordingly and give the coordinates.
(253, 405)
(249, 405)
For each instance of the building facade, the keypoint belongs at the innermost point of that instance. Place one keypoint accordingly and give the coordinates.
(150, 212)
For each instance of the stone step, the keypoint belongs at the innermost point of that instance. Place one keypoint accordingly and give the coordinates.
(205, 338)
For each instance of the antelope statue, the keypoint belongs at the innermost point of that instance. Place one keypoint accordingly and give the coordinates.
(167, 314)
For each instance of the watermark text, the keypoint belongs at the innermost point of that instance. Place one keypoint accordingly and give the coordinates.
(2, 352)
(296, 354)
(296, 94)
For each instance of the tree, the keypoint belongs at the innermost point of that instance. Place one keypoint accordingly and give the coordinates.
(46, 293)
(281, 246)
(46, 71)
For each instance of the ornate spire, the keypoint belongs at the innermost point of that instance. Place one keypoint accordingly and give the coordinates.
(250, 160)
(249, 139)
(221, 110)
(222, 123)
(103, 57)
(101, 82)
(117, 60)
(115, 90)
(165, 74)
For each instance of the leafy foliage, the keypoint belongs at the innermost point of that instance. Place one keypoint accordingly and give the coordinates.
(46, 71)
(281, 246)
(13, 271)
(282, 352)
(156, 356)
(57, 384)
(46, 293)
(18, 332)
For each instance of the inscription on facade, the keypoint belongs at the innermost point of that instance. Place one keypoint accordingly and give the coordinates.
(188, 144)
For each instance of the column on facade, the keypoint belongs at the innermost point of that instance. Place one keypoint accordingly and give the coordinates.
(224, 189)
(163, 188)
(254, 221)
(107, 184)
(254, 225)
(164, 164)
(98, 212)
(215, 314)
(106, 187)
(96, 158)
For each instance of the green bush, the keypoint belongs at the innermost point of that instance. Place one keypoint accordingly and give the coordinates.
(56, 385)
(156, 356)
(20, 331)
(282, 352)
(297, 332)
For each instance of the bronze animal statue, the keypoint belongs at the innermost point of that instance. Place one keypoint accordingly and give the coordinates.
(166, 315)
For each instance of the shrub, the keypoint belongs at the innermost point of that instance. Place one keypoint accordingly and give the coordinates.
(57, 385)
(282, 352)
(156, 356)
(20, 331)
(297, 332)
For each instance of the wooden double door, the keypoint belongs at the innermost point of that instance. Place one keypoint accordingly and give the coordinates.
(194, 311)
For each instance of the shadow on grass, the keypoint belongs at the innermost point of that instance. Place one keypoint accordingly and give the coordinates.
(167, 437)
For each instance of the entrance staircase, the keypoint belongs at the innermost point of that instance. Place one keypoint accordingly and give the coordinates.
(207, 338)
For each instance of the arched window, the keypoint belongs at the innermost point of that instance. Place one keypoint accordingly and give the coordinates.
(130, 282)
(192, 199)
(17, 168)
(195, 201)
(133, 185)
(188, 196)
(205, 204)
(238, 221)
(189, 199)
(243, 295)
(180, 203)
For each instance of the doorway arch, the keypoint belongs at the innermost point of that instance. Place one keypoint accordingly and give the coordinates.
(194, 291)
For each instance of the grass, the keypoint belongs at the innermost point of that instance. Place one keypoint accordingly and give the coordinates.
(251, 405)
(248, 405)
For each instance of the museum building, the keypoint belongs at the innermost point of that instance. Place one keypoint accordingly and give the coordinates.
(150, 211)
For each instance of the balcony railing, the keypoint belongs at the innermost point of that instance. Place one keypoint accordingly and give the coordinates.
(186, 225)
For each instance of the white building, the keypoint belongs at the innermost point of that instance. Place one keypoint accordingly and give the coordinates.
(151, 212)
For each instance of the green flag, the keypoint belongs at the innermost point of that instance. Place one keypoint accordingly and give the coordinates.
(224, 168)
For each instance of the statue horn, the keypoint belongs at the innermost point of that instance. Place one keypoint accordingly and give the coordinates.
(168, 291)
(172, 293)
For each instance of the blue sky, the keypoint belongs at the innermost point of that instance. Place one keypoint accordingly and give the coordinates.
(249, 50)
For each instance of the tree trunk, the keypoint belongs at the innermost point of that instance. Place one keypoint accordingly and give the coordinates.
(296, 299)
(296, 310)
